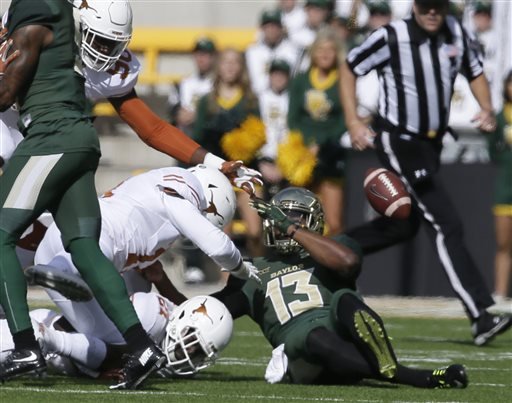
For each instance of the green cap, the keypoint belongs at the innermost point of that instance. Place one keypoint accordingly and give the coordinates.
(483, 7)
(205, 45)
(270, 16)
(318, 3)
(279, 65)
(379, 7)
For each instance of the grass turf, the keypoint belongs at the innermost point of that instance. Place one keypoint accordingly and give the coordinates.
(238, 375)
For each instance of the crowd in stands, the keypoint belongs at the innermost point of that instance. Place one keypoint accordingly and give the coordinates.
(288, 79)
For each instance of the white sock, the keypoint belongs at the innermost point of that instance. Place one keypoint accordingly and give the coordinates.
(86, 350)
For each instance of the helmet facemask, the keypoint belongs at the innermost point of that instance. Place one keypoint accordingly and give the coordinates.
(301, 207)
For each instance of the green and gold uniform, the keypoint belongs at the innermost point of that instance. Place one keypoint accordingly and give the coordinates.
(315, 110)
(296, 295)
(53, 169)
(500, 149)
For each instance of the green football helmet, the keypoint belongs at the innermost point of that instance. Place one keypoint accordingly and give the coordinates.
(303, 208)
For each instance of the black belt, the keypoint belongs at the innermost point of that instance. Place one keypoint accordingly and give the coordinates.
(382, 124)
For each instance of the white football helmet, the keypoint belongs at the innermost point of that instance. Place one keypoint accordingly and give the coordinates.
(219, 194)
(106, 31)
(198, 330)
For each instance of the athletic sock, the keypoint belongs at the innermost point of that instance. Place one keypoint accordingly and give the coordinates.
(136, 338)
(413, 377)
(25, 340)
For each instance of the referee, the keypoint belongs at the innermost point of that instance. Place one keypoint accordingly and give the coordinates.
(417, 60)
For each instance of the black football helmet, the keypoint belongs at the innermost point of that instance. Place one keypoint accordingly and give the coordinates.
(303, 208)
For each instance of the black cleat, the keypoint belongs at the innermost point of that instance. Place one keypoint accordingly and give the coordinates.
(23, 362)
(139, 366)
(70, 285)
(487, 326)
(453, 376)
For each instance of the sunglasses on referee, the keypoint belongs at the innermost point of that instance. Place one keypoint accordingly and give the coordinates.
(435, 6)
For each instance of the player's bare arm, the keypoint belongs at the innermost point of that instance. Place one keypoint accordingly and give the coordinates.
(28, 41)
(157, 276)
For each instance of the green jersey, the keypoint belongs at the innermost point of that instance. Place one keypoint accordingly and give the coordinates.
(294, 296)
(315, 108)
(56, 91)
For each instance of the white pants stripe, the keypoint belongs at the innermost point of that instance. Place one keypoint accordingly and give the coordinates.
(440, 244)
(28, 184)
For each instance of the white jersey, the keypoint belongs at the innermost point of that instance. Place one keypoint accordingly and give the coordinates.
(192, 88)
(140, 221)
(259, 56)
(118, 81)
(294, 20)
(10, 136)
(274, 112)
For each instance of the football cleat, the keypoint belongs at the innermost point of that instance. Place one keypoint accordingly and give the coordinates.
(23, 362)
(71, 286)
(453, 376)
(139, 366)
(487, 326)
(374, 336)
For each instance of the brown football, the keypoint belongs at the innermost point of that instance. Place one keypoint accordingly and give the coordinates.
(386, 193)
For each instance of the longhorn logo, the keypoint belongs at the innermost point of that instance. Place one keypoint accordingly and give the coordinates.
(86, 6)
(212, 208)
(202, 310)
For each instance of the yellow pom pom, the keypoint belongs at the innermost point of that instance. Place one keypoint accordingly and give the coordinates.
(242, 143)
(295, 160)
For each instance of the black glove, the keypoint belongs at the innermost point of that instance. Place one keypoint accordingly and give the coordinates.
(272, 213)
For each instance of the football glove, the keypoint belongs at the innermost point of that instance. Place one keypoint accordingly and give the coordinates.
(245, 271)
(5, 58)
(277, 366)
(272, 213)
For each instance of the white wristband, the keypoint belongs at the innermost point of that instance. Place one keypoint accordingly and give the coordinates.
(212, 161)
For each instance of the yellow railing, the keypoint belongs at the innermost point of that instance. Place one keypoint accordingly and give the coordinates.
(151, 43)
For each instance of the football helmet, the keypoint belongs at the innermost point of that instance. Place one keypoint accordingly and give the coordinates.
(219, 194)
(303, 208)
(198, 330)
(106, 31)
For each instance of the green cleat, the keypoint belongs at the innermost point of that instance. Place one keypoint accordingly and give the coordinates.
(453, 376)
(373, 334)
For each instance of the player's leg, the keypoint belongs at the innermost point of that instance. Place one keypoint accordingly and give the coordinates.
(78, 218)
(355, 320)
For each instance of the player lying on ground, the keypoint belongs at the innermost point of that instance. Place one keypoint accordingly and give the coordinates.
(141, 218)
(111, 72)
(201, 324)
(309, 310)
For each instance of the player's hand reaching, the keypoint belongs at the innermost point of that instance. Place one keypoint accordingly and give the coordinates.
(245, 271)
(273, 213)
(241, 176)
(5, 58)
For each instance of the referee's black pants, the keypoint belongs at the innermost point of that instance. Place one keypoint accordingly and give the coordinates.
(417, 162)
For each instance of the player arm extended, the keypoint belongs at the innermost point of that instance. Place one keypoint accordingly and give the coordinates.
(157, 276)
(156, 132)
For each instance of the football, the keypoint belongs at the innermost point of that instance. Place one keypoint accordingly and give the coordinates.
(387, 194)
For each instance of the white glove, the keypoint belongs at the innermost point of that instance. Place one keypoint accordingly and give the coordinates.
(245, 270)
(247, 177)
(277, 366)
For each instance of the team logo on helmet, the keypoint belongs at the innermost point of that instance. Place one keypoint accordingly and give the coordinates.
(212, 208)
(86, 6)
(202, 310)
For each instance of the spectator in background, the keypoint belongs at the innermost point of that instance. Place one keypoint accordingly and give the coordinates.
(341, 29)
(317, 13)
(315, 110)
(272, 45)
(500, 149)
(274, 111)
(482, 20)
(293, 16)
(229, 103)
(184, 101)
(380, 15)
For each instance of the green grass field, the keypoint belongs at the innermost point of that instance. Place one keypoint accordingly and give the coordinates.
(238, 375)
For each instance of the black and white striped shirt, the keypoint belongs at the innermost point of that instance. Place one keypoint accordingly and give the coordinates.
(417, 72)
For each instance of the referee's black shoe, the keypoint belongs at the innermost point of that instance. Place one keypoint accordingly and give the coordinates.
(487, 326)
(139, 366)
(23, 362)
